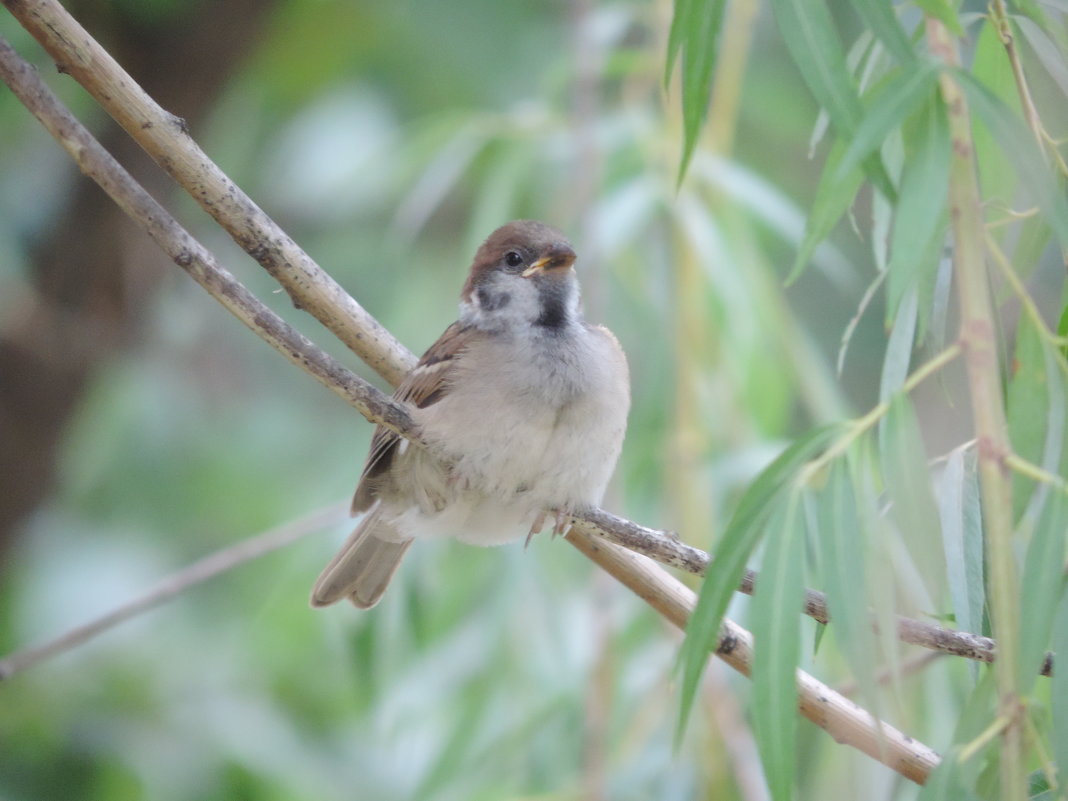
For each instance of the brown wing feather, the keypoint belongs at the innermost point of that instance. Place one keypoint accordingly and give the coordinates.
(423, 386)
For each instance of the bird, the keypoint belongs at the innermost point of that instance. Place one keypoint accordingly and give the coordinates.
(522, 409)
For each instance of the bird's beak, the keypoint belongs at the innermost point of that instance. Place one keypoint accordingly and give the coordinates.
(559, 257)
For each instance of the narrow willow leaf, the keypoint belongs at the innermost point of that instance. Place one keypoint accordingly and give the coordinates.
(809, 33)
(979, 709)
(959, 512)
(946, 782)
(1018, 142)
(901, 96)
(1057, 386)
(694, 40)
(940, 303)
(879, 17)
(997, 176)
(921, 218)
(1034, 10)
(1038, 788)
(843, 543)
(680, 19)
(833, 199)
(1029, 242)
(777, 647)
(741, 536)
(1042, 584)
(899, 348)
(1046, 49)
(808, 30)
(908, 487)
(1059, 690)
(1027, 405)
(1062, 323)
(974, 555)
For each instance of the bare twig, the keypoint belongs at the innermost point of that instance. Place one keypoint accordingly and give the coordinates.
(186, 252)
(843, 719)
(166, 139)
(175, 584)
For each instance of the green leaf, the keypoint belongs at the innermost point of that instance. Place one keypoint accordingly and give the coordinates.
(777, 601)
(946, 782)
(1027, 406)
(843, 542)
(741, 536)
(1062, 323)
(962, 540)
(1042, 584)
(694, 40)
(1051, 56)
(920, 218)
(889, 107)
(1020, 145)
(953, 779)
(808, 30)
(997, 177)
(899, 348)
(833, 199)
(1059, 689)
(936, 324)
(908, 487)
(879, 17)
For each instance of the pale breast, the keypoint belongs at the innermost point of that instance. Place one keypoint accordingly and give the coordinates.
(521, 409)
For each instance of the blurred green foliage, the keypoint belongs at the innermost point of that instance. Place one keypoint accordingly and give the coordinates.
(388, 139)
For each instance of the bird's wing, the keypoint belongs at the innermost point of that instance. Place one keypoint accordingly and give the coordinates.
(424, 386)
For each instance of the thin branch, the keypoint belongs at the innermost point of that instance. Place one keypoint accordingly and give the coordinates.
(186, 251)
(844, 720)
(862, 424)
(666, 547)
(175, 584)
(1022, 466)
(1000, 17)
(977, 335)
(166, 139)
(1056, 342)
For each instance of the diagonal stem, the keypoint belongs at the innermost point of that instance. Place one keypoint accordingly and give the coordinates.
(166, 139)
(977, 336)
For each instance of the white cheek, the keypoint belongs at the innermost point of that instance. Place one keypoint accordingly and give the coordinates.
(487, 309)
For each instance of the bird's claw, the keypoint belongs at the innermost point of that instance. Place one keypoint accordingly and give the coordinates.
(539, 523)
(562, 518)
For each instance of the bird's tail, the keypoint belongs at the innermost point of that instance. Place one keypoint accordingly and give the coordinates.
(363, 567)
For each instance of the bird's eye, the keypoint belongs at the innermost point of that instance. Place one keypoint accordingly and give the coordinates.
(513, 258)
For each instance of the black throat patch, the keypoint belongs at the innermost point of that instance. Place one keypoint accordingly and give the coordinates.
(554, 297)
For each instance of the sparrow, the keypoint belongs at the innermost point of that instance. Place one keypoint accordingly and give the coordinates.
(522, 408)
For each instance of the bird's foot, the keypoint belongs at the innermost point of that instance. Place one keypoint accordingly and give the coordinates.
(539, 523)
(562, 525)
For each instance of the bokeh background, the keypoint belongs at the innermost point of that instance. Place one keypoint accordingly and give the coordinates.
(143, 428)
